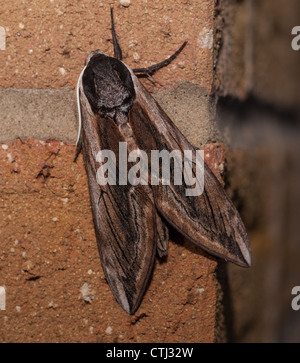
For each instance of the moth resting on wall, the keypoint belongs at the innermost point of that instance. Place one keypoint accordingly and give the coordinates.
(129, 220)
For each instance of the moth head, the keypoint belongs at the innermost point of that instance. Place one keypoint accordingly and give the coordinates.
(108, 86)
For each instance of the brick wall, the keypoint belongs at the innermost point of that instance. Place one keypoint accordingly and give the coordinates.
(47, 242)
(235, 83)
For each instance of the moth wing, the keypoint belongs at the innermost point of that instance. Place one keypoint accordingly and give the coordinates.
(124, 217)
(209, 220)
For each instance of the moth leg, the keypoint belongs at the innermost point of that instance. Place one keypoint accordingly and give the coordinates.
(78, 151)
(18, 138)
(117, 48)
(162, 237)
(100, 196)
(159, 65)
(153, 79)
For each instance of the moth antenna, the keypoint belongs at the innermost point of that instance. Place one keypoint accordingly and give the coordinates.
(78, 151)
(159, 65)
(117, 48)
(153, 79)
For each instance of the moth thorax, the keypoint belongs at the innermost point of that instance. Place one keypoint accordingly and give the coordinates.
(121, 118)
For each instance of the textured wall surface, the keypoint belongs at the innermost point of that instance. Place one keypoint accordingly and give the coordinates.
(238, 64)
(48, 41)
(49, 263)
(254, 51)
(257, 75)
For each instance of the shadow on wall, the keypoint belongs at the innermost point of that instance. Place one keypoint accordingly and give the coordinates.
(263, 179)
(257, 72)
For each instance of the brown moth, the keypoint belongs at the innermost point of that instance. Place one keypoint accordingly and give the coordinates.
(130, 227)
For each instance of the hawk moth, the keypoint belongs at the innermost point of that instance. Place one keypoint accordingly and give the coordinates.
(130, 221)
